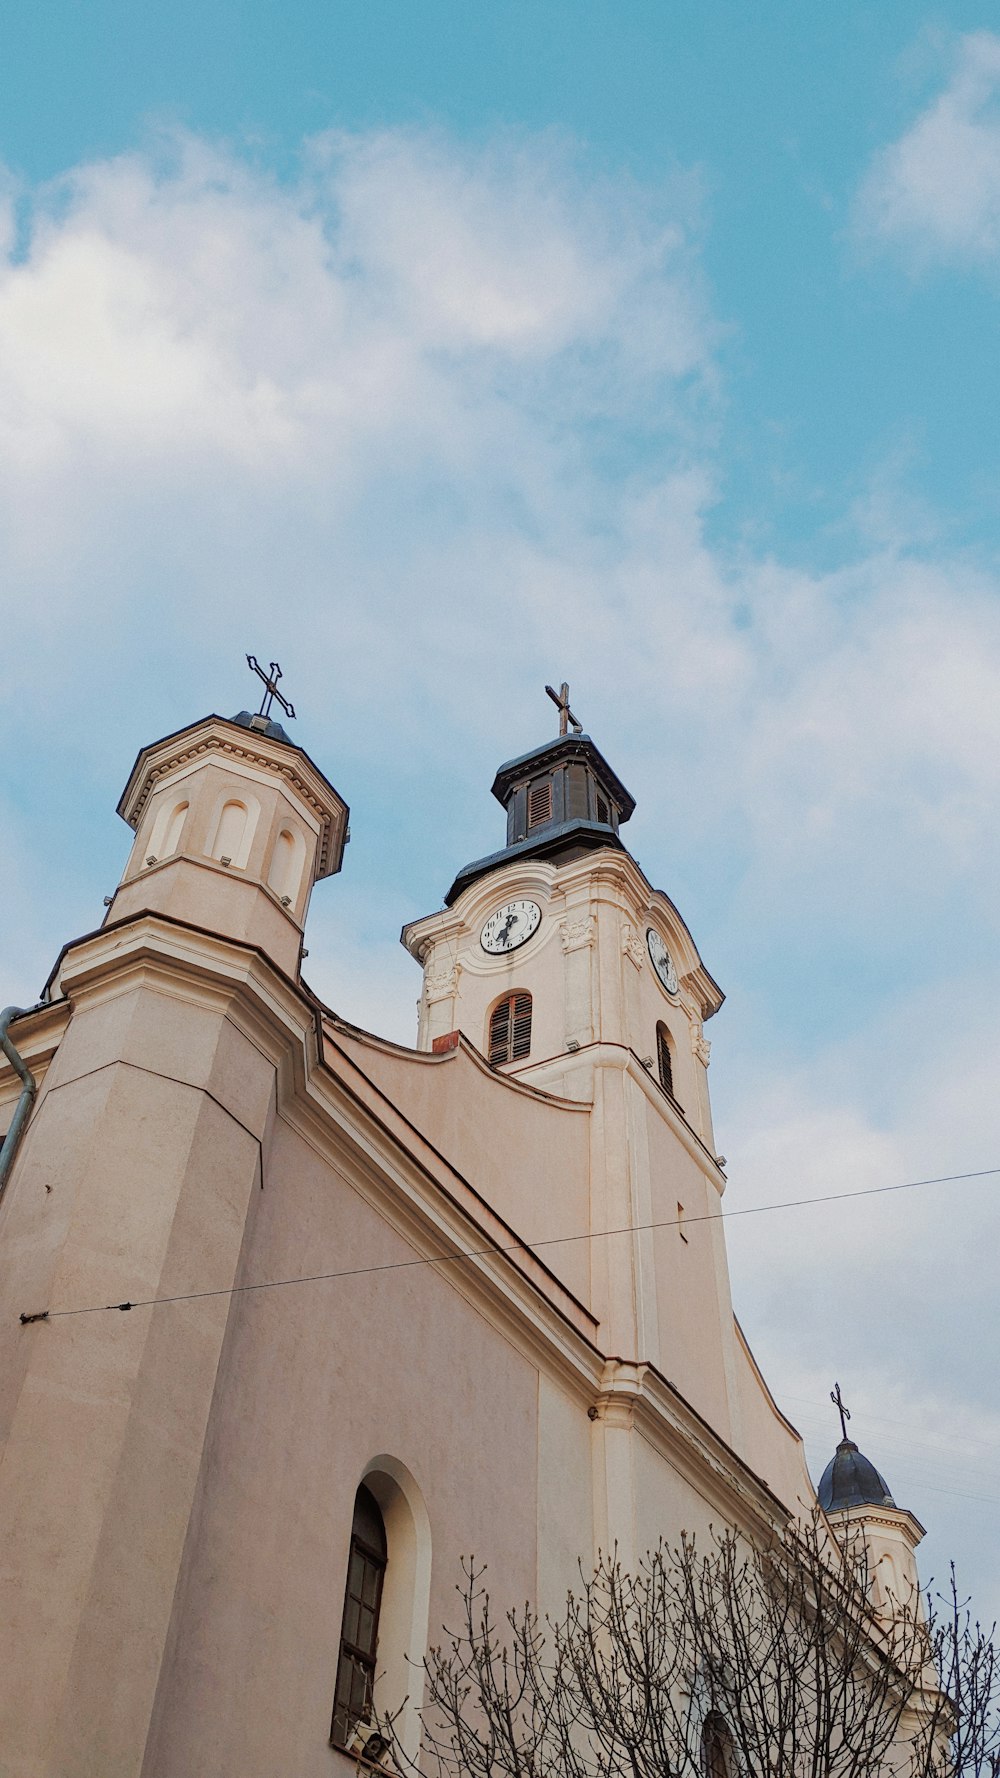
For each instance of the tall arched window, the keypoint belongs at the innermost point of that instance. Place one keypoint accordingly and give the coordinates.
(716, 1744)
(510, 1028)
(665, 1061)
(352, 1701)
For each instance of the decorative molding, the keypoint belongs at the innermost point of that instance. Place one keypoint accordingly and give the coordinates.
(632, 945)
(218, 744)
(700, 1045)
(441, 984)
(576, 935)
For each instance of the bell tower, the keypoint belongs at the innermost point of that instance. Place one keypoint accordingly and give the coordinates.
(563, 919)
(570, 973)
(234, 824)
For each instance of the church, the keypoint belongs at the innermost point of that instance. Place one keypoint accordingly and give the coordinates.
(295, 1318)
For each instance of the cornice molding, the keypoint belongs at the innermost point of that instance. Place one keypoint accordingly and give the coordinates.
(157, 763)
(37, 1038)
(897, 1518)
(636, 1397)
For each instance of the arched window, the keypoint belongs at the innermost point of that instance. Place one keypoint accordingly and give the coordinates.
(230, 831)
(716, 1744)
(175, 827)
(164, 838)
(352, 1701)
(665, 1061)
(510, 1028)
(285, 874)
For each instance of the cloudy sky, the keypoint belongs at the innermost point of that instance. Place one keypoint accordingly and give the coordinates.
(438, 350)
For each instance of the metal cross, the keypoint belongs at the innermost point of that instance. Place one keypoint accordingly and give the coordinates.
(561, 699)
(838, 1402)
(270, 687)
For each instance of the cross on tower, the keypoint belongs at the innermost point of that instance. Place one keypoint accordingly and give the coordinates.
(838, 1402)
(561, 699)
(270, 687)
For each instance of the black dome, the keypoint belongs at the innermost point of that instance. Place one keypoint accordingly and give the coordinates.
(263, 725)
(850, 1480)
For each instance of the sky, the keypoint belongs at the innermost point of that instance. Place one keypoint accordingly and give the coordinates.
(438, 351)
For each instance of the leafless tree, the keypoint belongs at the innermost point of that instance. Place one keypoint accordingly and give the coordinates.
(739, 1661)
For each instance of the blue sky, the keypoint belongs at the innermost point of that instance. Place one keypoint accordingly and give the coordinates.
(444, 350)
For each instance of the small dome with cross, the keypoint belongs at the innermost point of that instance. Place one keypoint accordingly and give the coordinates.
(849, 1479)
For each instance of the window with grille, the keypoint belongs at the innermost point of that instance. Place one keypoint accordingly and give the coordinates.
(352, 1702)
(665, 1062)
(510, 1028)
(540, 803)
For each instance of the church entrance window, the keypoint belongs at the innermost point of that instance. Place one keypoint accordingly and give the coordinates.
(366, 1566)
(510, 1028)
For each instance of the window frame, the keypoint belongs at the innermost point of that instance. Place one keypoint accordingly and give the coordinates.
(665, 1063)
(517, 1045)
(540, 802)
(352, 1657)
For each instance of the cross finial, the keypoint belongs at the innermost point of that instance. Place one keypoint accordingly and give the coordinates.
(566, 718)
(270, 687)
(838, 1402)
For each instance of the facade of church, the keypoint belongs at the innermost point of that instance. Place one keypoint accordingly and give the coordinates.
(221, 1514)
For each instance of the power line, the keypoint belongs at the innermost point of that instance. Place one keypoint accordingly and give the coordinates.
(529, 1247)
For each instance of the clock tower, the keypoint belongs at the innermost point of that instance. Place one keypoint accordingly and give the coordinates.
(572, 975)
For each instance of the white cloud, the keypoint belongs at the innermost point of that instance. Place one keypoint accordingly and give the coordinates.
(936, 191)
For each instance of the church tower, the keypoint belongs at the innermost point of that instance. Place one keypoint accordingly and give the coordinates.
(234, 824)
(558, 960)
(881, 1537)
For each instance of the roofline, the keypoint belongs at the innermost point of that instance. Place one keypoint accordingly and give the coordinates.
(191, 727)
(591, 834)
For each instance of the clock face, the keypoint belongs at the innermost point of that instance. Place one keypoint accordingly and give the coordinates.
(511, 926)
(661, 960)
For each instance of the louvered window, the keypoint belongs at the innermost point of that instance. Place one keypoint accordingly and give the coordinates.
(540, 803)
(510, 1028)
(602, 811)
(576, 794)
(352, 1702)
(665, 1061)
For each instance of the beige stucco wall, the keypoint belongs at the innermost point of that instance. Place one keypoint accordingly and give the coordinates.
(315, 1382)
(527, 1155)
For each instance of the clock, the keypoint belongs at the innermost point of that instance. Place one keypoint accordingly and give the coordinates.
(661, 960)
(510, 927)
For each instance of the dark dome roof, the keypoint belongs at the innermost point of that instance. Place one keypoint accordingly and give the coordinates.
(273, 730)
(850, 1480)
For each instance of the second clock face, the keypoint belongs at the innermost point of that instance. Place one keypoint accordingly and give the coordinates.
(661, 960)
(511, 926)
